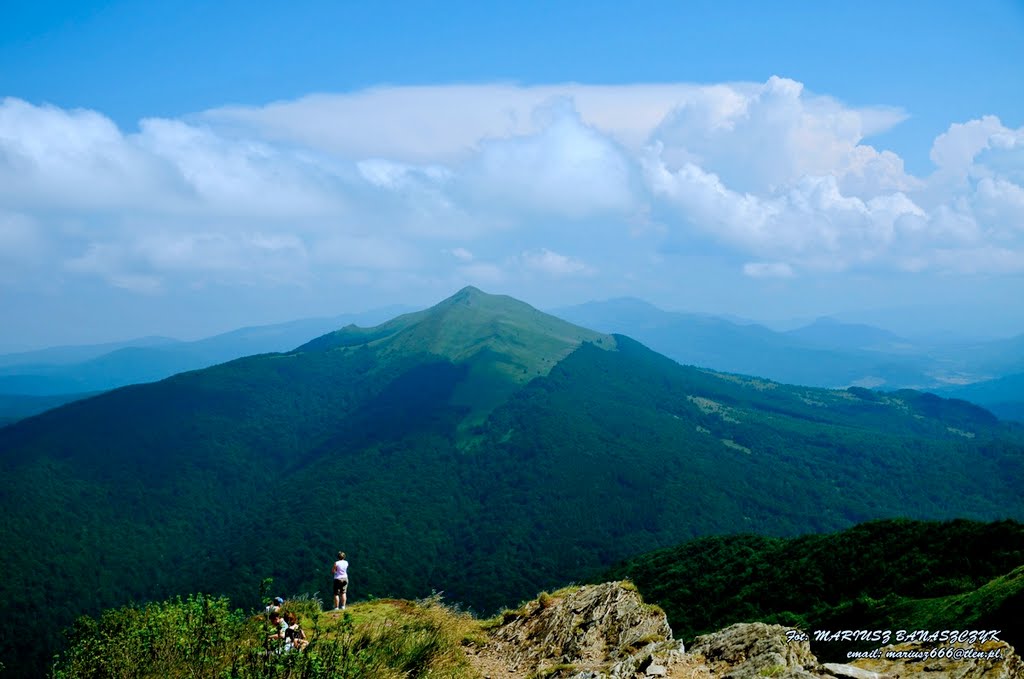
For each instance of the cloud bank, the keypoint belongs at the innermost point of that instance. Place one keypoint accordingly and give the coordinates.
(497, 183)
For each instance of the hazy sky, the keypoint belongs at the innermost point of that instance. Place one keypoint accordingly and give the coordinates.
(183, 168)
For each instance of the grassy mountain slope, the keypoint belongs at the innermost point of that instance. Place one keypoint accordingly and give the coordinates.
(480, 448)
(503, 342)
(894, 574)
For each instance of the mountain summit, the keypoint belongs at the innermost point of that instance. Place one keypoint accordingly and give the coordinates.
(468, 324)
(501, 342)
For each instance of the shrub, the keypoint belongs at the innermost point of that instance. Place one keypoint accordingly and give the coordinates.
(203, 637)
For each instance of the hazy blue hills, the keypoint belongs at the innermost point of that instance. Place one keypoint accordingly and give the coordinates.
(1004, 396)
(64, 355)
(995, 358)
(63, 374)
(479, 447)
(832, 334)
(825, 353)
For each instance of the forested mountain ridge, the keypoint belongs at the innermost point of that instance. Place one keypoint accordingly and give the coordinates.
(889, 574)
(480, 447)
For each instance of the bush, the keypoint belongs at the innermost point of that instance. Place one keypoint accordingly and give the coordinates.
(192, 637)
(203, 637)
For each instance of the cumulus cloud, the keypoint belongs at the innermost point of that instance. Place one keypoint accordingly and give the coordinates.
(812, 222)
(955, 149)
(566, 169)
(494, 182)
(767, 137)
(19, 238)
(51, 158)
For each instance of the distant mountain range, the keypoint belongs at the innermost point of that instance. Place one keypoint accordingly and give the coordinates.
(826, 353)
(479, 447)
(1004, 396)
(63, 374)
(823, 353)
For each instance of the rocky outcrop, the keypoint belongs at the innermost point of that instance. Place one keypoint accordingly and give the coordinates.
(593, 631)
(607, 632)
(754, 651)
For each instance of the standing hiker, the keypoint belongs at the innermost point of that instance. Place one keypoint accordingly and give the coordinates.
(340, 573)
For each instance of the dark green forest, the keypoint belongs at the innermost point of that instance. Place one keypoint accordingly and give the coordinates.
(479, 448)
(891, 574)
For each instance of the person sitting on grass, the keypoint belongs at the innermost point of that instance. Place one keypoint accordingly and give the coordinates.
(280, 626)
(275, 605)
(294, 637)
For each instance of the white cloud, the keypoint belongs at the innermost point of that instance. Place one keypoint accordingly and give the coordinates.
(53, 159)
(244, 177)
(955, 149)
(551, 263)
(401, 180)
(767, 137)
(19, 237)
(446, 123)
(566, 169)
(1000, 203)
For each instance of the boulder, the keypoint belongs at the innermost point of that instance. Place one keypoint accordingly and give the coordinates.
(595, 631)
(755, 651)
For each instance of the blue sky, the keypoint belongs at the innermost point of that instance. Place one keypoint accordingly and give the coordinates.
(181, 167)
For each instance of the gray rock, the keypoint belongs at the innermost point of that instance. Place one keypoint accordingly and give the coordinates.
(755, 651)
(852, 671)
(606, 630)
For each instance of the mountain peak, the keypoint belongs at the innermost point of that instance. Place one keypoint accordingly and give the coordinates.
(472, 322)
(502, 342)
(469, 292)
(473, 297)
